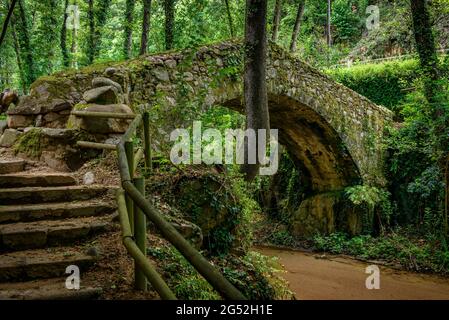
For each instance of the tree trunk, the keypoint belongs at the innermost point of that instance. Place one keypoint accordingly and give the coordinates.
(295, 33)
(145, 26)
(328, 32)
(276, 20)
(74, 47)
(425, 45)
(255, 88)
(91, 36)
(169, 7)
(231, 23)
(18, 55)
(446, 202)
(64, 51)
(129, 17)
(7, 19)
(25, 46)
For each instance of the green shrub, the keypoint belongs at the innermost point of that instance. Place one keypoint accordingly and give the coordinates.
(386, 83)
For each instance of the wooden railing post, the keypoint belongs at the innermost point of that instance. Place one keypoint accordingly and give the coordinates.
(129, 150)
(140, 235)
(147, 142)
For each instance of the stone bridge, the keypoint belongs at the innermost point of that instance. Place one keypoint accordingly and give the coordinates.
(334, 133)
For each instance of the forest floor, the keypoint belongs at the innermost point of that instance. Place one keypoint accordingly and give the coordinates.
(317, 276)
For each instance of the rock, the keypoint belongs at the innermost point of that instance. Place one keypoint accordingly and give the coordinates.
(48, 94)
(93, 251)
(102, 82)
(20, 121)
(52, 116)
(170, 63)
(110, 71)
(3, 126)
(55, 160)
(9, 137)
(39, 120)
(57, 133)
(102, 95)
(113, 139)
(104, 125)
(11, 166)
(161, 74)
(89, 178)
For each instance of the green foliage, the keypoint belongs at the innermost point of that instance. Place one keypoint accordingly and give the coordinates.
(281, 238)
(30, 143)
(395, 247)
(386, 83)
(347, 22)
(182, 278)
(254, 274)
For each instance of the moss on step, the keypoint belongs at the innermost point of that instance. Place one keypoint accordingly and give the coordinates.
(30, 143)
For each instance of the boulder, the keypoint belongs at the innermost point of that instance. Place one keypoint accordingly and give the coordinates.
(102, 125)
(102, 95)
(9, 137)
(103, 82)
(48, 94)
(20, 121)
(3, 126)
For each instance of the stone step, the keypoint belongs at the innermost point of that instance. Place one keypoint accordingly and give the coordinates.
(41, 263)
(36, 180)
(54, 210)
(48, 289)
(41, 234)
(50, 194)
(11, 166)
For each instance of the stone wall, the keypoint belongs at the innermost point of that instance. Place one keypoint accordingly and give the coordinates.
(334, 132)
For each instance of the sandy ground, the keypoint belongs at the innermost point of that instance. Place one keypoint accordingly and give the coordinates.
(313, 276)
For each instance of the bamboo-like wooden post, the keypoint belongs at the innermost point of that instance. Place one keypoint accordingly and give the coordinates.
(141, 260)
(129, 150)
(147, 142)
(140, 234)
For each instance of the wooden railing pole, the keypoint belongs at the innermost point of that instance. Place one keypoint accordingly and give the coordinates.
(140, 234)
(129, 150)
(147, 142)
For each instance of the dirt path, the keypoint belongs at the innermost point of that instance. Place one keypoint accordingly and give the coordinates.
(334, 277)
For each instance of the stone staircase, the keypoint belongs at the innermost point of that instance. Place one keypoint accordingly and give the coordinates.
(46, 221)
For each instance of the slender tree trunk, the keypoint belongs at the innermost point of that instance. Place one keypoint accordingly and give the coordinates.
(25, 46)
(64, 51)
(328, 33)
(7, 19)
(169, 7)
(446, 202)
(255, 88)
(74, 46)
(145, 26)
(91, 36)
(18, 55)
(230, 21)
(276, 20)
(425, 45)
(129, 17)
(295, 32)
